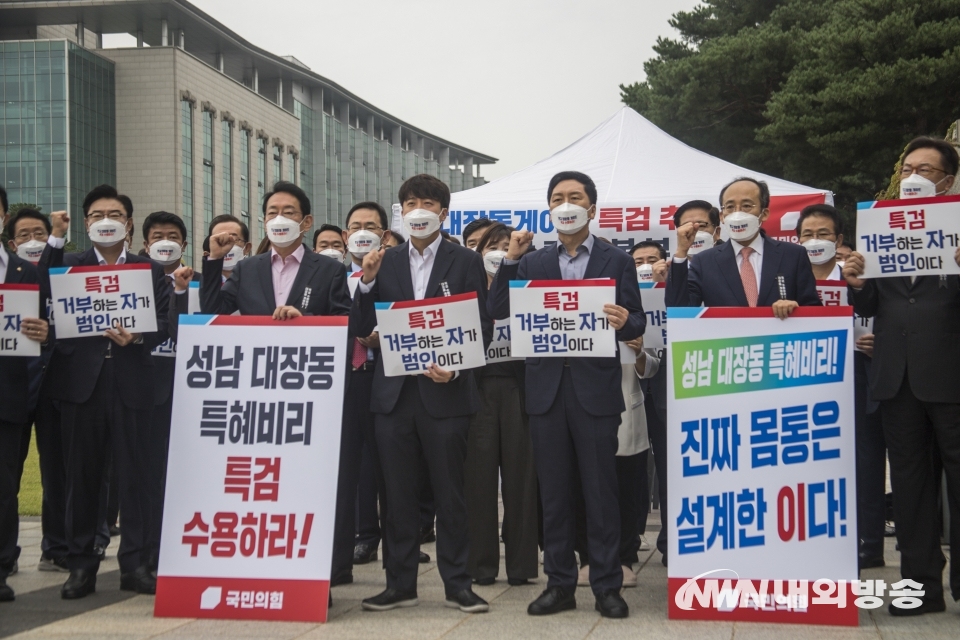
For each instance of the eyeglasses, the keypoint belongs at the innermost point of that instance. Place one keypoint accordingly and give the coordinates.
(925, 170)
(820, 235)
(36, 234)
(286, 213)
(97, 216)
(746, 207)
(367, 227)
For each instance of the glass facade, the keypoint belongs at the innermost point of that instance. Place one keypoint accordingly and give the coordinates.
(245, 175)
(261, 171)
(226, 166)
(305, 163)
(57, 126)
(186, 171)
(207, 167)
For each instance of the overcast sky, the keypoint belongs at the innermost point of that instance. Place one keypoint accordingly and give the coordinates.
(515, 79)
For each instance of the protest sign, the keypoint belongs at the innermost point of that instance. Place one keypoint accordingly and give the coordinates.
(18, 301)
(652, 296)
(500, 348)
(254, 451)
(833, 293)
(562, 318)
(168, 348)
(915, 237)
(90, 300)
(442, 331)
(761, 459)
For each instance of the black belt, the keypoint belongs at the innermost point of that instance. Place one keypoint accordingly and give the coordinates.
(366, 366)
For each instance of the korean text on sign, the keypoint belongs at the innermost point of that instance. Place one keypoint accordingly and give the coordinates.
(18, 301)
(89, 300)
(562, 318)
(654, 305)
(833, 293)
(417, 333)
(916, 237)
(500, 349)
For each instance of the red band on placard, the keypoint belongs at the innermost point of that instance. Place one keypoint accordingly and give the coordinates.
(110, 267)
(909, 202)
(831, 283)
(242, 599)
(766, 312)
(19, 287)
(260, 321)
(600, 282)
(426, 302)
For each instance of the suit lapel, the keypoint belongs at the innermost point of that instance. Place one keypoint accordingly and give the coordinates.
(769, 270)
(403, 270)
(728, 267)
(441, 265)
(308, 266)
(551, 263)
(598, 259)
(14, 268)
(265, 273)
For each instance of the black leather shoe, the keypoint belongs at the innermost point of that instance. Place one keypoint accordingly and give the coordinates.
(114, 531)
(467, 601)
(516, 582)
(140, 581)
(424, 557)
(928, 606)
(101, 552)
(364, 553)
(390, 599)
(869, 562)
(484, 582)
(428, 534)
(552, 600)
(344, 577)
(80, 584)
(611, 605)
(6, 593)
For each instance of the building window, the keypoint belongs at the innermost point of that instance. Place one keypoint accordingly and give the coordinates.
(207, 167)
(245, 174)
(292, 168)
(186, 169)
(261, 170)
(277, 163)
(226, 143)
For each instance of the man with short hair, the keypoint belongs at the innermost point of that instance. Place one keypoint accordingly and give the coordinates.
(423, 416)
(236, 230)
(474, 231)
(704, 219)
(844, 251)
(328, 241)
(820, 232)
(914, 374)
(749, 271)
(575, 404)
(105, 388)
(28, 232)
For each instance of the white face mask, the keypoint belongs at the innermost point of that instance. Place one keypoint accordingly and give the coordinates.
(332, 253)
(645, 273)
(421, 223)
(233, 256)
(165, 252)
(107, 232)
(569, 218)
(820, 251)
(492, 260)
(701, 242)
(31, 250)
(742, 226)
(283, 231)
(916, 186)
(363, 242)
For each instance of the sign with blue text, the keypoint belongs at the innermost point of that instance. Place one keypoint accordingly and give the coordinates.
(562, 318)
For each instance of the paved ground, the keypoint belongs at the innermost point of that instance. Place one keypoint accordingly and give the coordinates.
(113, 615)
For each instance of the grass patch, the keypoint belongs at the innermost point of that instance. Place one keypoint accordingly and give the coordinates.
(31, 493)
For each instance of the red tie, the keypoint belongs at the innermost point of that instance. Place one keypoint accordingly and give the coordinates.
(748, 277)
(359, 354)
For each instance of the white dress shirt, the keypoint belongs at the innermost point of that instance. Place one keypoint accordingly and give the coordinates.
(60, 243)
(756, 258)
(421, 266)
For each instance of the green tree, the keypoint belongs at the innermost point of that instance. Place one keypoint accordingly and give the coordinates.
(825, 94)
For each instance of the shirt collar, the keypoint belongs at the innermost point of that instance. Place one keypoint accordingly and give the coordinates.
(587, 244)
(756, 245)
(102, 261)
(431, 249)
(296, 255)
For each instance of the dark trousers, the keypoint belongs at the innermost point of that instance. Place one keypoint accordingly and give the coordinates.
(565, 439)
(153, 459)
(643, 493)
(871, 464)
(368, 512)
(88, 429)
(52, 478)
(657, 432)
(405, 437)
(500, 455)
(629, 470)
(10, 435)
(912, 430)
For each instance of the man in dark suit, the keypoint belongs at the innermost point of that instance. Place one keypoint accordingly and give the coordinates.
(914, 374)
(575, 403)
(105, 388)
(423, 416)
(14, 414)
(751, 270)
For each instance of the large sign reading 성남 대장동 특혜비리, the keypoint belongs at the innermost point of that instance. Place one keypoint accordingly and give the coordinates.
(761, 459)
(255, 442)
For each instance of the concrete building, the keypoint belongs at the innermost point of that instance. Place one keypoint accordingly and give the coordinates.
(193, 119)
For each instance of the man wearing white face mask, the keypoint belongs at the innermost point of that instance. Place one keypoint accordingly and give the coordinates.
(749, 271)
(423, 416)
(105, 388)
(328, 241)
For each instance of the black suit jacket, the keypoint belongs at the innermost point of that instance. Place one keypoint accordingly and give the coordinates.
(76, 362)
(917, 332)
(597, 380)
(462, 270)
(655, 388)
(14, 376)
(712, 278)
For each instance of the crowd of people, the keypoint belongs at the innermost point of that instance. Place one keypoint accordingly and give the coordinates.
(565, 441)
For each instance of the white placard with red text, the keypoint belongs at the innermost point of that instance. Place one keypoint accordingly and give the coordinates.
(168, 348)
(562, 318)
(89, 300)
(252, 471)
(915, 237)
(18, 301)
(417, 333)
(833, 293)
(652, 296)
(500, 348)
